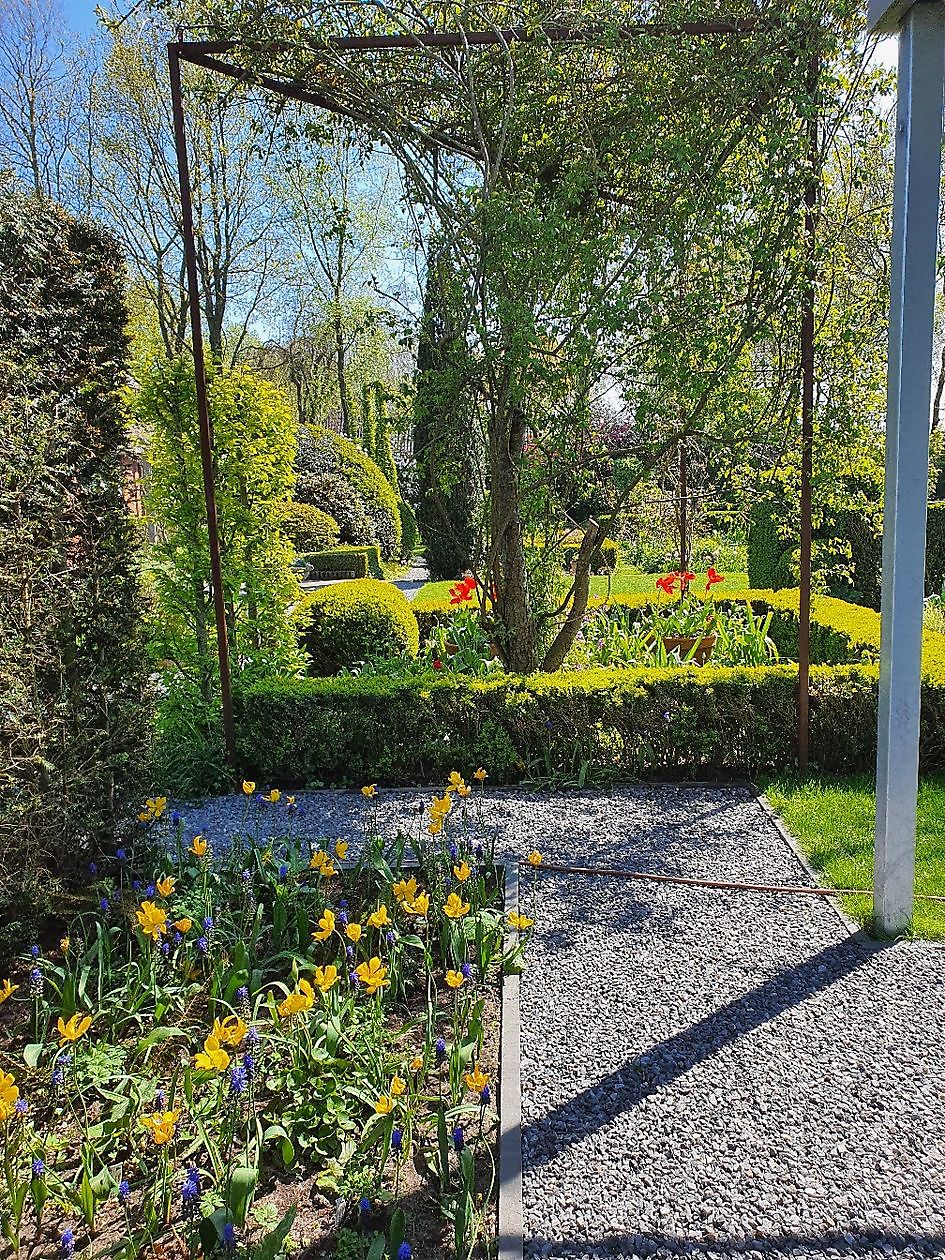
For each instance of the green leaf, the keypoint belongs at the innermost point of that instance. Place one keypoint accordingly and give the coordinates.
(240, 1192)
(271, 1245)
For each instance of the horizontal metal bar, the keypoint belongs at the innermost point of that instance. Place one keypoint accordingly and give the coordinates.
(691, 881)
(462, 39)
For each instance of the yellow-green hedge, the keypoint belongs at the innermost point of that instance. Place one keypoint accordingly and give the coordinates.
(620, 723)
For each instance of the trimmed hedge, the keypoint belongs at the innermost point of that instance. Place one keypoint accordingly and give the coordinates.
(615, 723)
(349, 622)
(307, 528)
(605, 557)
(362, 561)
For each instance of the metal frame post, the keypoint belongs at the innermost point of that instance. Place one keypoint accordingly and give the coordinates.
(921, 87)
(203, 409)
(811, 203)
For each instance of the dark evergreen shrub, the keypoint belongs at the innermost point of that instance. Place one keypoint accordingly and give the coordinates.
(73, 671)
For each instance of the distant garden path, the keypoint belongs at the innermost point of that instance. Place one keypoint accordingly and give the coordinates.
(706, 1073)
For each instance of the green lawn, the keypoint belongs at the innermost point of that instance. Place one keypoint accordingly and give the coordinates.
(624, 582)
(833, 819)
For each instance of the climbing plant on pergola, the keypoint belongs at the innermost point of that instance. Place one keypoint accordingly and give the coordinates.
(351, 76)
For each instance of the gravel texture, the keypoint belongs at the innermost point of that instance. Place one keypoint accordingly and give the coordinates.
(704, 1073)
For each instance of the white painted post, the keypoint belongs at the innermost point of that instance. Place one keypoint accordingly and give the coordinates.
(919, 119)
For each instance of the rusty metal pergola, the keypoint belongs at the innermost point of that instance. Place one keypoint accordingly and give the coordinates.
(211, 54)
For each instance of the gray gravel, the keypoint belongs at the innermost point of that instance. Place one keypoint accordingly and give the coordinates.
(705, 1073)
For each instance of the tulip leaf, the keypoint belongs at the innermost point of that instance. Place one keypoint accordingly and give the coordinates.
(31, 1053)
(271, 1245)
(240, 1191)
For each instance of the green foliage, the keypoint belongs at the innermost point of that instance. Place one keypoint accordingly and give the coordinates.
(307, 528)
(934, 550)
(764, 550)
(336, 476)
(409, 531)
(615, 722)
(446, 430)
(349, 622)
(73, 669)
(254, 440)
(605, 558)
(383, 450)
(362, 561)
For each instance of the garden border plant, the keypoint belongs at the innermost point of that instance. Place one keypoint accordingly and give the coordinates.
(608, 723)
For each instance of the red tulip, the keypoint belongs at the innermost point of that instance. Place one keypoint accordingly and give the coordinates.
(437, 664)
(667, 584)
(713, 577)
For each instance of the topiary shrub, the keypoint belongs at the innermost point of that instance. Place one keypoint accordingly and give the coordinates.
(308, 528)
(357, 561)
(73, 669)
(349, 622)
(367, 510)
(765, 548)
(409, 531)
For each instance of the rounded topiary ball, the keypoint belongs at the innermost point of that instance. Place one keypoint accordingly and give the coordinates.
(348, 622)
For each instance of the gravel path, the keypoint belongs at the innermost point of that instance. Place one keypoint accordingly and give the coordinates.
(706, 1073)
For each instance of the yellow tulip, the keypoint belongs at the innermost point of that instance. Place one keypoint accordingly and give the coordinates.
(369, 790)
(152, 920)
(272, 796)
(325, 977)
(373, 975)
(534, 858)
(326, 925)
(480, 775)
(464, 790)
(213, 1058)
(455, 907)
(456, 781)
(183, 925)
(420, 904)
(198, 846)
(416, 1063)
(64, 944)
(397, 1087)
(7, 990)
(249, 787)
(384, 1105)
(455, 979)
(405, 889)
(462, 872)
(75, 1027)
(328, 871)
(519, 921)
(319, 858)
(9, 1093)
(165, 886)
(341, 849)
(229, 1031)
(353, 932)
(476, 1080)
(161, 1126)
(380, 918)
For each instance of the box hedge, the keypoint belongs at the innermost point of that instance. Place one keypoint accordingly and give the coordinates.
(348, 622)
(619, 723)
(361, 561)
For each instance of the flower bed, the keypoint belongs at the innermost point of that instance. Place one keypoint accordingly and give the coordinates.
(266, 1047)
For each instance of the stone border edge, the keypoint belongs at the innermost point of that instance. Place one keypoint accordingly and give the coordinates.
(511, 1231)
(780, 826)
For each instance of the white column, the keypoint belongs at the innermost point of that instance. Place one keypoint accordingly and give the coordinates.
(912, 304)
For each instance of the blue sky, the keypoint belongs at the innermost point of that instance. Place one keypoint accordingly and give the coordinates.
(80, 14)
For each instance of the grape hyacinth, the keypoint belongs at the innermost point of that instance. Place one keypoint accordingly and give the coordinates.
(67, 1242)
(440, 1049)
(36, 983)
(405, 1251)
(459, 1140)
(124, 1190)
(37, 1168)
(396, 1141)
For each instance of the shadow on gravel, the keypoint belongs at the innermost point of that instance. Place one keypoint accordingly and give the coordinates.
(855, 1243)
(618, 1092)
